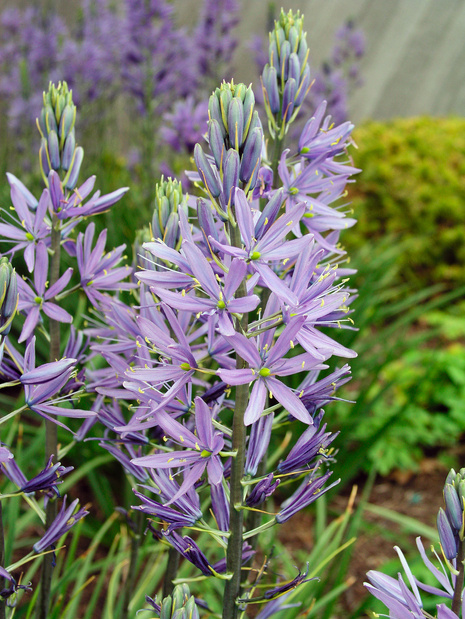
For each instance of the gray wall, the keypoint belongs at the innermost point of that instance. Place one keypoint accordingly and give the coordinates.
(415, 51)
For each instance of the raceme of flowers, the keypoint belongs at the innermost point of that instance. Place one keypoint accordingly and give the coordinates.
(190, 363)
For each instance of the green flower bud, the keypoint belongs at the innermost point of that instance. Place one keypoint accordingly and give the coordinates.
(67, 120)
(179, 605)
(53, 150)
(288, 61)
(56, 124)
(8, 295)
(169, 200)
(232, 106)
(71, 178)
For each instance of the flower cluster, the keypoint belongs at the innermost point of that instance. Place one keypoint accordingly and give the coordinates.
(229, 308)
(404, 603)
(195, 360)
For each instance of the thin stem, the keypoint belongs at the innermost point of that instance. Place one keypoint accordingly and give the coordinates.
(132, 572)
(170, 572)
(236, 515)
(51, 436)
(2, 563)
(456, 600)
(277, 151)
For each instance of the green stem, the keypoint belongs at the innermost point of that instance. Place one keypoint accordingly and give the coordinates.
(2, 562)
(132, 572)
(456, 600)
(236, 515)
(277, 151)
(170, 572)
(51, 436)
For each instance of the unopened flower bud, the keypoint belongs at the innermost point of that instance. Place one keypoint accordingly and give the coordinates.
(230, 174)
(288, 99)
(270, 86)
(303, 87)
(209, 176)
(71, 178)
(44, 161)
(179, 605)
(294, 67)
(8, 295)
(68, 151)
(288, 56)
(235, 123)
(447, 537)
(56, 124)
(216, 141)
(169, 199)
(251, 157)
(285, 52)
(67, 120)
(206, 220)
(53, 150)
(454, 508)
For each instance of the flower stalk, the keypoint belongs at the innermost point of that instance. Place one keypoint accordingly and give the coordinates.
(51, 429)
(239, 435)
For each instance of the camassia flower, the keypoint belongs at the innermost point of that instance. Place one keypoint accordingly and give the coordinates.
(218, 300)
(31, 227)
(97, 269)
(65, 520)
(264, 366)
(34, 301)
(41, 385)
(201, 453)
(269, 245)
(67, 205)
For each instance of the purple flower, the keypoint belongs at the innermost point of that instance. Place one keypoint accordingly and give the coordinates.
(202, 453)
(97, 270)
(46, 481)
(312, 443)
(268, 246)
(177, 364)
(67, 205)
(216, 299)
(65, 520)
(10, 590)
(5, 455)
(265, 364)
(185, 124)
(279, 590)
(262, 490)
(185, 512)
(308, 492)
(189, 549)
(34, 301)
(41, 384)
(31, 227)
(259, 439)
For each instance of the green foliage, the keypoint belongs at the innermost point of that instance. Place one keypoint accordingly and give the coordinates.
(409, 379)
(412, 185)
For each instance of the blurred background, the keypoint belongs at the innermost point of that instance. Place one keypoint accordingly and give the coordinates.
(141, 73)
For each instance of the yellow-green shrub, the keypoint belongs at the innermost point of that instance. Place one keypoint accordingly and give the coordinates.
(412, 184)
